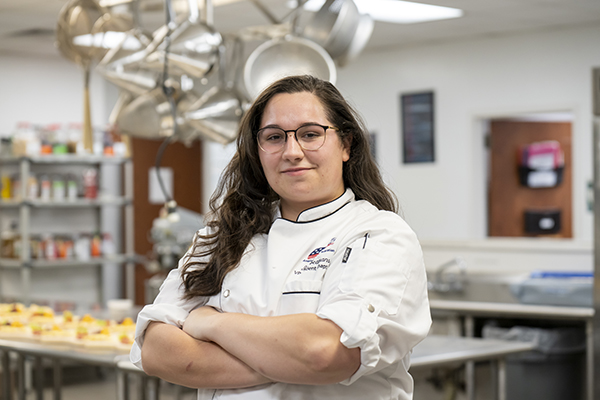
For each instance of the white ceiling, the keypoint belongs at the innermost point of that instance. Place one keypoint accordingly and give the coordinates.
(26, 26)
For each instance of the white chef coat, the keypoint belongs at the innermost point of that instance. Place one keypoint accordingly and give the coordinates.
(345, 261)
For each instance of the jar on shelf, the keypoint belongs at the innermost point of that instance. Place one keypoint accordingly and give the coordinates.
(96, 245)
(8, 238)
(72, 187)
(82, 247)
(58, 188)
(74, 137)
(49, 245)
(45, 188)
(33, 187)
(5, 192)
(36, 247)
(64, 247)
(16, 187)
(90, 183)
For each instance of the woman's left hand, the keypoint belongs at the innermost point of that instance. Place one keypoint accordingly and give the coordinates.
(198, 322)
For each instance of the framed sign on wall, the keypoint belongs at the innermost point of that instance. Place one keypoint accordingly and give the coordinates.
(417, 114)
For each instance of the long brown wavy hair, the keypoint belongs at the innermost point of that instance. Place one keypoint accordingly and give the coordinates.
(243, 203)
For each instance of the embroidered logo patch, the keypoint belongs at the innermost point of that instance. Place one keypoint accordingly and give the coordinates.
(317, 260)
(315, 253)
(320, 250)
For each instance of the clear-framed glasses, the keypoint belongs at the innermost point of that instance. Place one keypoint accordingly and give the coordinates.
(309, 137)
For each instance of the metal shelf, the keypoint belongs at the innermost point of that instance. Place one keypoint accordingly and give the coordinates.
(26, 214)
(65, 159)
(10, 263)
(105, 201)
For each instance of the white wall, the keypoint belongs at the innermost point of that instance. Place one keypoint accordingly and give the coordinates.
(45, 90)
(474, 79)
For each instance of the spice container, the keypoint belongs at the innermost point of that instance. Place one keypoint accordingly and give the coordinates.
(5, 192)
(16, 187)
(90, 183)
(72, 188)
(82, 247)
(45, 188)
(58, 188)
(32, 188)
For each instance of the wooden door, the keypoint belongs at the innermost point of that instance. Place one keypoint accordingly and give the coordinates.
(507, 198)
(186, 163)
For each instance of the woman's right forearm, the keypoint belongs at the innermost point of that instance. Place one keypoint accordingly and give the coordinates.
(173, 355)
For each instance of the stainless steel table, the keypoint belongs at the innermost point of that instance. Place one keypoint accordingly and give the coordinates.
(61, 353)
(434, 351)
(472, 309)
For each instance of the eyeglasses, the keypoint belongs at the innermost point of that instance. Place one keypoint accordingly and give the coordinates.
(310, 137)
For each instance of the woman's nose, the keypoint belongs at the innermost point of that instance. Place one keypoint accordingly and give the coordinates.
(292, 148)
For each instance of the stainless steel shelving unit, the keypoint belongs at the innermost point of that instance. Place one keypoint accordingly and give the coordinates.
(26, 207)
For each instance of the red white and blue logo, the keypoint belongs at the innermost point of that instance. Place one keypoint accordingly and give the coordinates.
(319, 250)
(315, 252)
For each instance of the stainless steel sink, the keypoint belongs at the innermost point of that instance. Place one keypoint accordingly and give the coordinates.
(480, 287)
(451, 281)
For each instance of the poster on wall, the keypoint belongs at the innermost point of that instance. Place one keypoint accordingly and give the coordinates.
(416, 110)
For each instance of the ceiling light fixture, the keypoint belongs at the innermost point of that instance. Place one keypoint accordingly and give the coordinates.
(396, 11)
(107, 40)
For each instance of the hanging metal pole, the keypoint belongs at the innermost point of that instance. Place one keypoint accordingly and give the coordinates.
(595, 386)
(208, 17)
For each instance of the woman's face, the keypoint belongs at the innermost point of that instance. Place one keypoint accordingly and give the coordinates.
(302, 178)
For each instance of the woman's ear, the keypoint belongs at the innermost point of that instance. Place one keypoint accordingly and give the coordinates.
(347, 144)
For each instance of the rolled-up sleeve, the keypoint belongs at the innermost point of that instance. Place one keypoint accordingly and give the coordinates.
(376, 292)
(169, 307)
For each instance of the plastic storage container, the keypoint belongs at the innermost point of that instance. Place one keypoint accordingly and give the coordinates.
(554, 370)
(556, 288)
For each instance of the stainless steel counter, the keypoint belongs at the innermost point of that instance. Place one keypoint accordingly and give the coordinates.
(512, 310)
(61, 353)
(472, 309)
(437, 350)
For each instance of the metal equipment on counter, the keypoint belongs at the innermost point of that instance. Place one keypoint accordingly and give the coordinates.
(172, 234)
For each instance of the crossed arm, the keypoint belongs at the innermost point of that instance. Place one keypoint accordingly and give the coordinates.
(233, 350)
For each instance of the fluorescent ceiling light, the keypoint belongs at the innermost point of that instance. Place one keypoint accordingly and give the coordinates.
(397, 11)
(108, 40)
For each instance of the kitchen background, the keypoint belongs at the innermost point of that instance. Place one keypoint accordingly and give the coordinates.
(500, 61)
(527, 61)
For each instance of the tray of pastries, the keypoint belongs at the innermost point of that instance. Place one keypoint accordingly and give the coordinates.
(41, 324)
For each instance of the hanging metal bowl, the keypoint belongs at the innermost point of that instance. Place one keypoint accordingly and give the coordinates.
(278, 58)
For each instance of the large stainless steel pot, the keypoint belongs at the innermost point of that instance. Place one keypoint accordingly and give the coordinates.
(193, 50)
(216, 115)
(281, 57)
(191, 47)
(150, 115)
(334, 26)
(359, 40)
(121, 64)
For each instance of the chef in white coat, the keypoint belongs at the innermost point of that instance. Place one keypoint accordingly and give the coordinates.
(306, 283)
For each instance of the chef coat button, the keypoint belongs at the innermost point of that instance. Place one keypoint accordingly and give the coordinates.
(226, 293)
(371, 308)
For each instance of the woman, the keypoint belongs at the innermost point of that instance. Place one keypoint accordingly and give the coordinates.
(305, 284)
